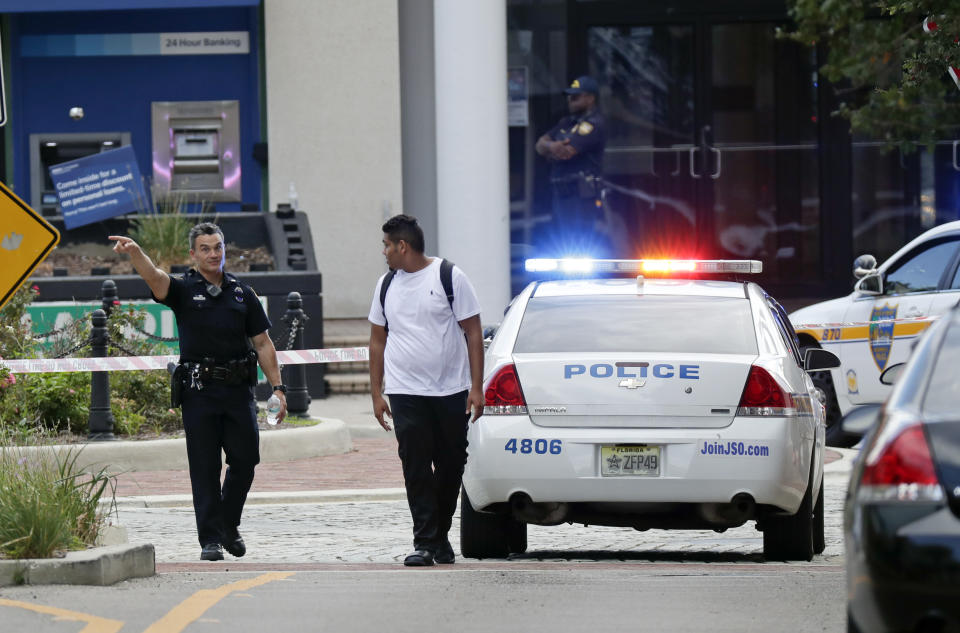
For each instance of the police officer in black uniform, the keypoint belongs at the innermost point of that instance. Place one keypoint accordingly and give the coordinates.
(223, 335)
(574, 147)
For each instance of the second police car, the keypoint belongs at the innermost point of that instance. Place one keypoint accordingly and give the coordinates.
(647, 403)
(876, 325)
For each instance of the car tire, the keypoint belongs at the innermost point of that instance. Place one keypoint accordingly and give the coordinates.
(484, 535)
(823, 381)
(791, 537)
(819, 537)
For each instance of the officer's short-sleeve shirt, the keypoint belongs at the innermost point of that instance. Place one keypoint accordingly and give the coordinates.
(588, 136)
(214, 327)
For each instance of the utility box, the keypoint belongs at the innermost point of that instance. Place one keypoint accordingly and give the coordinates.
(196, 149)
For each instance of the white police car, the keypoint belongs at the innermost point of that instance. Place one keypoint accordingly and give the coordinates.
(646, 403)
(875, 326)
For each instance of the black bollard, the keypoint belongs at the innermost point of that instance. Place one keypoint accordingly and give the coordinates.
(100, 423)
(108, 295)
(298, 400)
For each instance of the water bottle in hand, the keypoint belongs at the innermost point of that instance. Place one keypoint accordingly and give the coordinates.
(273, 409)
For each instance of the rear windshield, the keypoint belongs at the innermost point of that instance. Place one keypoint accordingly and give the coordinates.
(942, 400)
(628, 323)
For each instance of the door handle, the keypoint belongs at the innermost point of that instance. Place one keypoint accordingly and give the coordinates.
(676, 171)
(693, 158)
(913, 312)
(718, 154)
(956, 167)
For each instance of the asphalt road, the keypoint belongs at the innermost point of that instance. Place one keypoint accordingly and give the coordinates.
(542, 596)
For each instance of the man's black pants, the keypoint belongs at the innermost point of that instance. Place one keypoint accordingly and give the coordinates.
(220, 417)
(432, 443)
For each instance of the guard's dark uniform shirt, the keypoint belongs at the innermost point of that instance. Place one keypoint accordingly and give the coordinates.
(576, 189)
(217, 416)
(214, 327)
(587, 134)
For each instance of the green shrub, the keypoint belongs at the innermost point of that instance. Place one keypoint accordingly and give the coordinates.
(47, 503)
(52, 403)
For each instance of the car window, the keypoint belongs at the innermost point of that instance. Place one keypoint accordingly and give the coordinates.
(921, 271)
(943, 393)
(625, 323)
(787, 333)
(956, 280)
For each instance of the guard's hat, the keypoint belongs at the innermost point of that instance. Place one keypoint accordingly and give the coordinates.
(583, 84)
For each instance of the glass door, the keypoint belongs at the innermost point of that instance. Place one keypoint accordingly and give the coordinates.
(711, 143)
(647, 75)
(760, 137)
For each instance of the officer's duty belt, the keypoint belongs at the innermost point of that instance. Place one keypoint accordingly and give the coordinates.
(235, 372)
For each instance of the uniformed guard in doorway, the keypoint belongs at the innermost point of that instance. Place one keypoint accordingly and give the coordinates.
(574, 147)
(223, 335)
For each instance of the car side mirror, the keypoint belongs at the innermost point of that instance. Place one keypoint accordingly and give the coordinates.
(864, 265)
(815, 359)
(892, 374)
(860, 420)
(872, 284)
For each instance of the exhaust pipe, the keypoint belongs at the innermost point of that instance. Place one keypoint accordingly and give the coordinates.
(737, 512)
(545, 513)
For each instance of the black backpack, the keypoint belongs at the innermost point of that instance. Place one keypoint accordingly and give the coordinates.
(446, 279)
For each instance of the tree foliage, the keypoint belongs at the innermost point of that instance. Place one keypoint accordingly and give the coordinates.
(891, 75)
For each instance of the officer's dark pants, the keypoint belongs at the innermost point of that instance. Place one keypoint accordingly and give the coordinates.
(220, 416)
(432, 443)
(572, 230)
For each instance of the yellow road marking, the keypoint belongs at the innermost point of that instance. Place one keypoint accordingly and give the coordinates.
(188, 611)
(95, 624)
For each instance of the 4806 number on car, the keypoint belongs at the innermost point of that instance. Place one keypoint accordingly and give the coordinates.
(536, 447)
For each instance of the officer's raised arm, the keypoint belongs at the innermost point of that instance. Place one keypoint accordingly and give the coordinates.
(158, 280)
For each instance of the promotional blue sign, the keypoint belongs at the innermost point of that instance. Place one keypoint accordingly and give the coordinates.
(98, 187)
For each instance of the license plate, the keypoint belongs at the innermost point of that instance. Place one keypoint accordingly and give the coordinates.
(620, 461)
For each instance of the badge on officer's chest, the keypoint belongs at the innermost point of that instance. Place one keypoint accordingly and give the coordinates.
(238, 294)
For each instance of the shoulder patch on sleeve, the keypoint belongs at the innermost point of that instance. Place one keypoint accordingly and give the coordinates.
(585, 128)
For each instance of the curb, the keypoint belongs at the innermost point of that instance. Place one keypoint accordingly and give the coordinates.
(329, 437)
(97, 566)
(265, 498)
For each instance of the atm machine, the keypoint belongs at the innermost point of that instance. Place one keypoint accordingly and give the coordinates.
(196, 150)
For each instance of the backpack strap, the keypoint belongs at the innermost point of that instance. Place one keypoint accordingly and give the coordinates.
(383, 295)
(446, 279)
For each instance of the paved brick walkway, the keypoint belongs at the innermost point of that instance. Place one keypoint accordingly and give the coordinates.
(372, 464)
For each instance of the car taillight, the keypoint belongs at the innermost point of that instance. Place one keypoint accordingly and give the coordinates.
(903, 471)
(504, 395)
(763, 396)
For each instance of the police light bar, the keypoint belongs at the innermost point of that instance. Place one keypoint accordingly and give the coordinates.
(586, 265)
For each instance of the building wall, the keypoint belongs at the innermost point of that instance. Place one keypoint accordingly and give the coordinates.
(333, 128)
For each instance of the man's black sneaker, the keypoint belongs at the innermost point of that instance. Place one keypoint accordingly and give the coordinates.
(235, 546)
(211, 551)
(444, 554)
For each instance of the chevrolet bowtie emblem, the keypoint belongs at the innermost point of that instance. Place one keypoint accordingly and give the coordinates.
(632, 383)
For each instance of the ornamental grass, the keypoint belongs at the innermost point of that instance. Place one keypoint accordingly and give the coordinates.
(48, 504)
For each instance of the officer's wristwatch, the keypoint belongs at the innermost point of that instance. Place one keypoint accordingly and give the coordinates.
(282, 388)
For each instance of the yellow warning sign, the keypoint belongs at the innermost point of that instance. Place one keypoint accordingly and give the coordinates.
(25, 240)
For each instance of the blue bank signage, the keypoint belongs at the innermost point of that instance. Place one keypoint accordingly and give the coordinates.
(99, 186)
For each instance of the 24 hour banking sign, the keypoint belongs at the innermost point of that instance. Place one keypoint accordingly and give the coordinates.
(99, 186)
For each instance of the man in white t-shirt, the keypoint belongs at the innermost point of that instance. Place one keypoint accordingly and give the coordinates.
(433, 374)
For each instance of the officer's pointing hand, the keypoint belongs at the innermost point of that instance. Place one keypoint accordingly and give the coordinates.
(123, 244)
